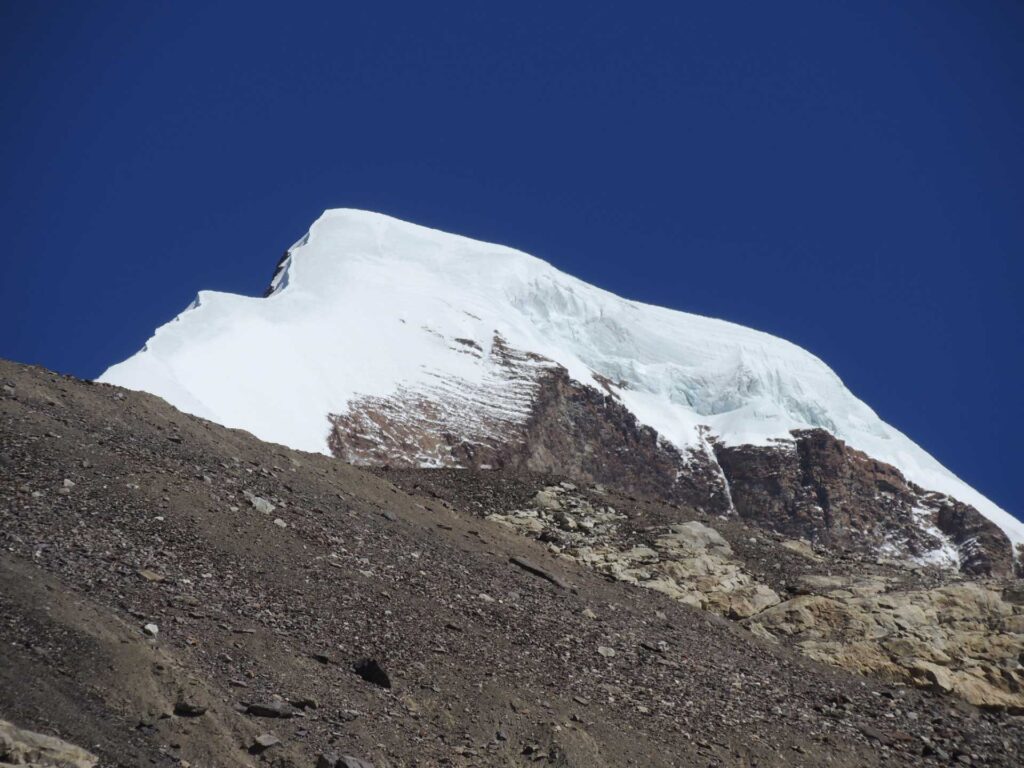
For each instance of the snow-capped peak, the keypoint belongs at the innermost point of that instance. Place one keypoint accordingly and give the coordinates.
(367, 306)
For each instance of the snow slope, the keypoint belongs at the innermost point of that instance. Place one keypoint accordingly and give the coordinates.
(366, 304)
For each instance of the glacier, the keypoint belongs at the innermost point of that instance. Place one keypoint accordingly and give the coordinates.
(365, 305)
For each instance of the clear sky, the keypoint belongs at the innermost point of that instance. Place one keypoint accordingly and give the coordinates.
(849, 176)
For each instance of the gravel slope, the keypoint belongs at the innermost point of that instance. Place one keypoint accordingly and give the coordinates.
(117, 512)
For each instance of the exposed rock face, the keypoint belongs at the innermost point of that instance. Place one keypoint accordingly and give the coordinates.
(453, 423)
(698, 568)
(528, 414)
(21, 747)
(960, 638)
(690, 562)
(582, 433)
(964, 638)
(983, 548)
(819, 488)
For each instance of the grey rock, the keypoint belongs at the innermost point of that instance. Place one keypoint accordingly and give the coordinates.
(270, 709)
(536, 570)
(189, 709)
(1014, 594)
(264, 741)
(260, 504)
(21, 747)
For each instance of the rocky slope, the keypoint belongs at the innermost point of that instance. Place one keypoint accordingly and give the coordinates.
(176, 593)
(919, 624)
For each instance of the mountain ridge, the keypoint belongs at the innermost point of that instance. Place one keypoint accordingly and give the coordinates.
(365, 305)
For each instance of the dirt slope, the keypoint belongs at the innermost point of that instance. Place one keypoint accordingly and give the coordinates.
(270, 573)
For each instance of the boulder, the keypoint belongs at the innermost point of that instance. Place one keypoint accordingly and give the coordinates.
(22, 747)
(802, 548)
(695, 537)
(548, 498)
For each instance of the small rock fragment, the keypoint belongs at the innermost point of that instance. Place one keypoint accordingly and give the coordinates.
(189, 709)
(260, 504)
(536, 570)
(269, 709)
(372, 672)
(264, 741)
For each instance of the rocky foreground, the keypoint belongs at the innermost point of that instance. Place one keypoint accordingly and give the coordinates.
(927, 626)
(174, 593)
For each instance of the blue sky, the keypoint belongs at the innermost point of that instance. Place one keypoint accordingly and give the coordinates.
(849, 176)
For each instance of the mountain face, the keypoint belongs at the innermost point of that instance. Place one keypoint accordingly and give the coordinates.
(386, 343)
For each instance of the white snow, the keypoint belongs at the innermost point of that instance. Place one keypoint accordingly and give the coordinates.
(366, 304)
(946, 555)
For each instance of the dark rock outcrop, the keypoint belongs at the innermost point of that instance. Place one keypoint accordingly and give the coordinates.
(817, 487)
(530, 415)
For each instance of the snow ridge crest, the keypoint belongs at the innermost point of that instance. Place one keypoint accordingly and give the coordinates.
(367, 306)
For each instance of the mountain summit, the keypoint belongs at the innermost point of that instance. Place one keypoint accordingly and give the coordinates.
(383, 342)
